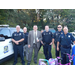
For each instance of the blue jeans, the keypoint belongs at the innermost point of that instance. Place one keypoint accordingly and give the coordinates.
(47, 51)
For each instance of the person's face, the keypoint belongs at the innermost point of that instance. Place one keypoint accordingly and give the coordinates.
(59, 28)
(47, 28)
(35, 28)
(25, 30)
(18, 29)
(41, 31)
(65, 30)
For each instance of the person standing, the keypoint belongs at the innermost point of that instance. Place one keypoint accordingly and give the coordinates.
(65, 40)
(55, 39)
(47, 42)
(34, 39)
(25, 33)
(18, 38)
(40, 42)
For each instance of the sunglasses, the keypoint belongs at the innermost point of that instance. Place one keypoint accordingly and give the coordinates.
(59, 27)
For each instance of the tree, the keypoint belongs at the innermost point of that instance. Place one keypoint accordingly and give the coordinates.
(3, 16)
(29, 17)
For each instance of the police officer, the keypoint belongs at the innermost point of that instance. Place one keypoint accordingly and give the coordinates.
(55, 38)
(25, 33)
(47, 42)
(65, 42)
(18, 38)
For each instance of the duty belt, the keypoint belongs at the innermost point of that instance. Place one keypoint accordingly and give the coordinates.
(46, 43)
(65, 46)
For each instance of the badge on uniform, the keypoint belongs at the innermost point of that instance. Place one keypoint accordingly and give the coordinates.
(49, 33)
(62, 37)
(19, 33)
(61, 33)
(69, 36)
(56, 34)
(44, 33)
(14, 34)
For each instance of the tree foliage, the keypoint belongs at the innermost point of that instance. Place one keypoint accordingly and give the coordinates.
(28, 18)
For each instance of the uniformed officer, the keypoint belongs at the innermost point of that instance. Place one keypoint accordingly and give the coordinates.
(47, 42)
(18, 38)
(55, 38)
(65, 40)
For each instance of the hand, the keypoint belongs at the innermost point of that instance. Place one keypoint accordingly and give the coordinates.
(57, 48)
(50, 43)
(42, 42)
(16, 42)
(28, 46)
(37, 40)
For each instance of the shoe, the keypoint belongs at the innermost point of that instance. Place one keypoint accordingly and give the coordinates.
(14, 63)
(28, 63)
(23, 63)
(35, 62)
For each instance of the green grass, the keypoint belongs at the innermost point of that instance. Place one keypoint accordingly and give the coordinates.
(40, 55)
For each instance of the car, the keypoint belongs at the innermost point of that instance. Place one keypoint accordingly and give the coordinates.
(6, 44)
(52, 30)
(73, 33)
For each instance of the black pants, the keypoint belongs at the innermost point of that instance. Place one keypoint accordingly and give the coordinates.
(65, 58)
(47, 51)
(57, 52)
(20, 49)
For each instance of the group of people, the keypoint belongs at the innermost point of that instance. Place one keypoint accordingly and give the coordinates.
(25, 43)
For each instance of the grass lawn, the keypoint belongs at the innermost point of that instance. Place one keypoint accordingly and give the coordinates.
(40, 55)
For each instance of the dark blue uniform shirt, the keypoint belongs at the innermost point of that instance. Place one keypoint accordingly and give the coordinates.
(66, 40)
(47, 37)
(25, 38)
(56, 35)
(17, 36)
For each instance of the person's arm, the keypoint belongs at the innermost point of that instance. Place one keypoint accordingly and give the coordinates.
(42, 43)
(53, 39)
(21, 40)
(57, 46)
(29, 40)
(53, 43)
(40, 38)
(14, 40)
(74, 42)
(59, 39)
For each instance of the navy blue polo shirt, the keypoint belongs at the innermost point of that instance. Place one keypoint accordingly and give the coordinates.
(47, 37)
(17, 36)
(56, 35)
(25, 38)
(66, 39)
